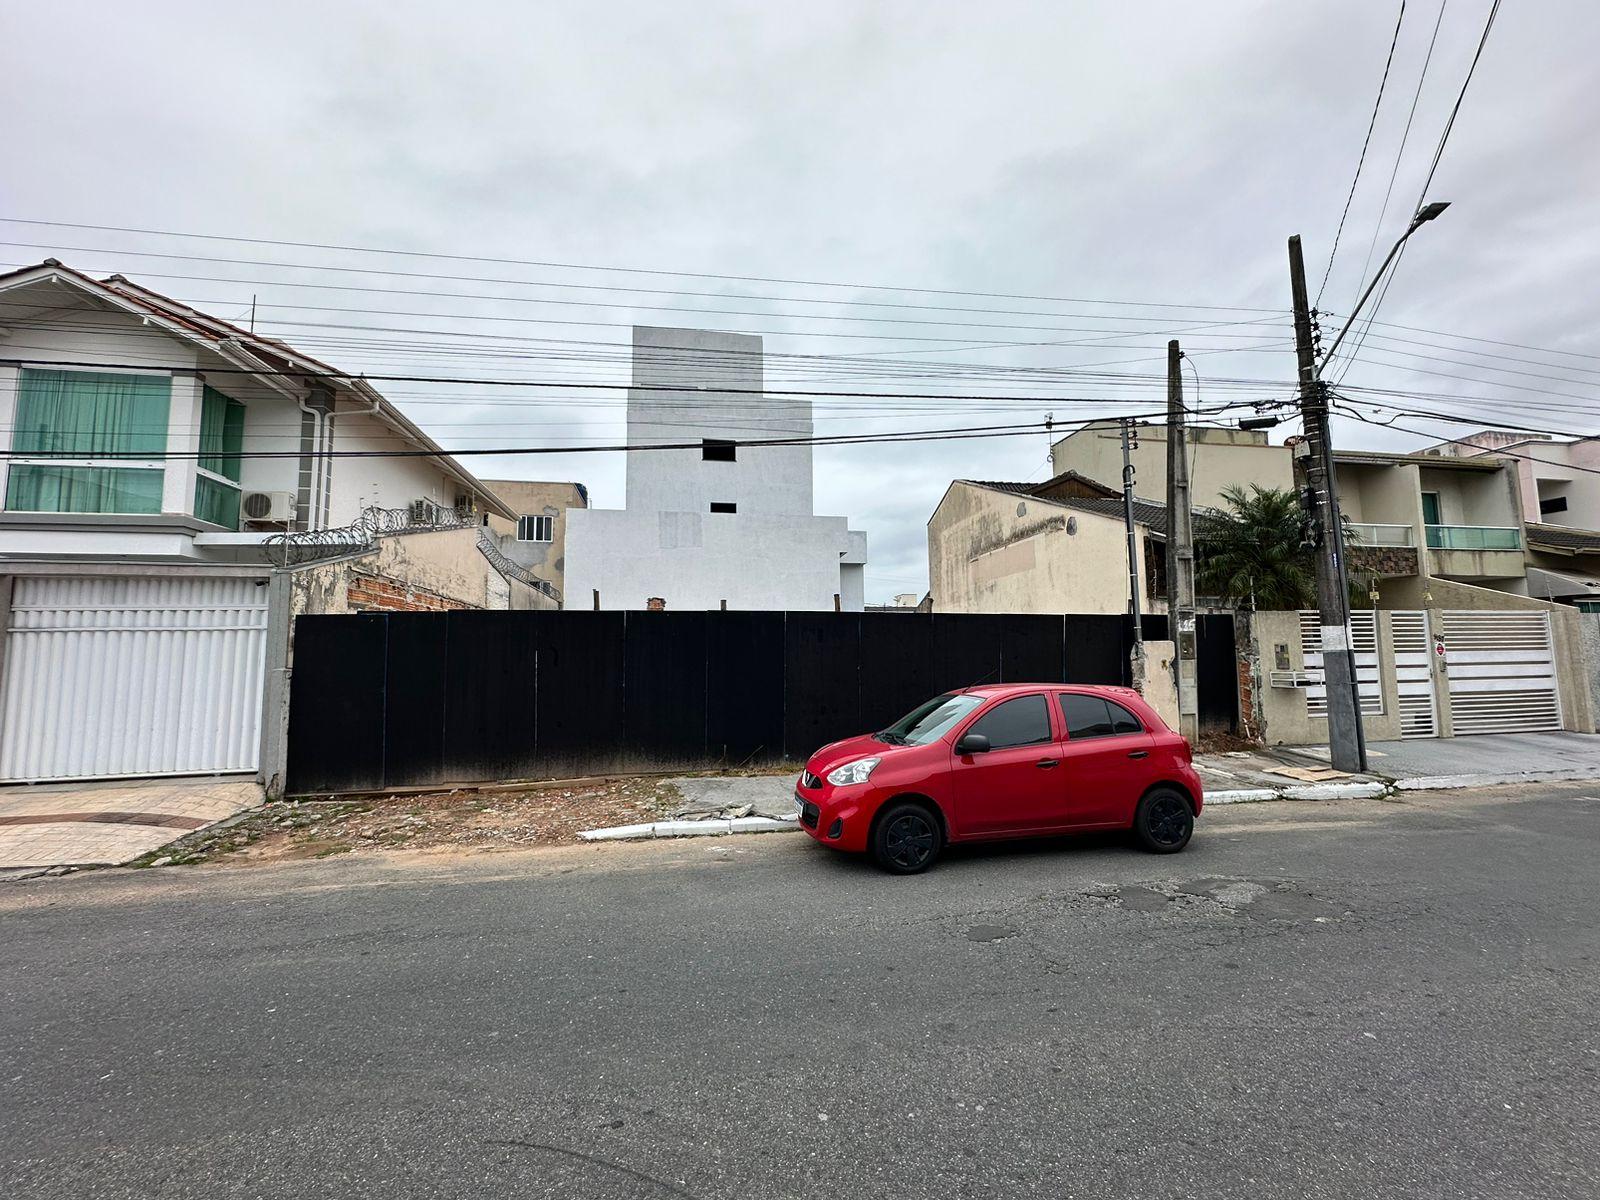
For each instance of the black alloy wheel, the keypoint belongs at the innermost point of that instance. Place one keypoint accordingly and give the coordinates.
(906, 840)
(1164, 822)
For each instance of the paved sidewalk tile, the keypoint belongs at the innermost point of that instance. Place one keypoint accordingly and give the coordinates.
(81, 824)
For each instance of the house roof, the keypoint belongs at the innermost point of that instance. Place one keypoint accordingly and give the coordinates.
(1562, 539)
(268, 359)
(1383, 458)
(1149, 513)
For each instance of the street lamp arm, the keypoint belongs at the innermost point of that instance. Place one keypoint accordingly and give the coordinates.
(1423, 216)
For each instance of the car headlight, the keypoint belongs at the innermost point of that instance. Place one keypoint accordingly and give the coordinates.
(852, 772)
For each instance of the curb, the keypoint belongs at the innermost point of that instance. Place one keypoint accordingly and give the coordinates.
(713, 828)
(1365, 790)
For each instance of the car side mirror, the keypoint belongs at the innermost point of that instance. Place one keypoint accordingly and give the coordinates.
(973, 743)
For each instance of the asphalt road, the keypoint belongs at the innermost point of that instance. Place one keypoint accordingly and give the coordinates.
(1359, 999)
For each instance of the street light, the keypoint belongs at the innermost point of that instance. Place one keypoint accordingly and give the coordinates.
(1424, 214)
(1333, 576)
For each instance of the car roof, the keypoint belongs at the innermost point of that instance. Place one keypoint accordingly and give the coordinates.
(1011, 689)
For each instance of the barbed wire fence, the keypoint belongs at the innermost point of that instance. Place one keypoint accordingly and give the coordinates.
(298, 548)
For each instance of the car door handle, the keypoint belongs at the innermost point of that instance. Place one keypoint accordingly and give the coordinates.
(1046, 763)
(1138, 754)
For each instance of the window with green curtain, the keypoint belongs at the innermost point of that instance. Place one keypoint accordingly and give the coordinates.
(89, 414)
(216, 502)
(221, 439)
(221, 433)
(35, 487)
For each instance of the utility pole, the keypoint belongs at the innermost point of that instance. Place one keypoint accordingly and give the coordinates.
(1180, 547)
(1347, 745)
(1133, 536)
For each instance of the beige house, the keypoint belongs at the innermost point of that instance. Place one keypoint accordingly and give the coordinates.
(1415, 516)
(537, 538)
(1052, 547)
(1219, 457)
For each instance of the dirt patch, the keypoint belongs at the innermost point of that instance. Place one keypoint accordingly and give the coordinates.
(1219, 742)
(477, 819)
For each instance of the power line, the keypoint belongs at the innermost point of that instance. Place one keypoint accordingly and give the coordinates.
(1405, 137)
(1376, 105)
(1462, 95)
(586, 287)
(1422, 195)
(516, 262)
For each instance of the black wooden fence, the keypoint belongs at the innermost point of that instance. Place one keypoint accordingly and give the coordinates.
(414, 699)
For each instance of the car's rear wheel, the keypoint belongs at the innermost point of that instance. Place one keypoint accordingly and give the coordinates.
(906, 839)
(1164, 821)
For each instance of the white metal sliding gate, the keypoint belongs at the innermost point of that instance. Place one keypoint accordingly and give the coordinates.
(1413, 672)
(1363, 640)
(118, 676)
(1502, 672)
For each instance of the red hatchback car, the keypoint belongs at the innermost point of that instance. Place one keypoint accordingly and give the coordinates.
(1006, 761)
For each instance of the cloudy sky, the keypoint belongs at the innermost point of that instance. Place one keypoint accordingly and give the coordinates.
(998, 197)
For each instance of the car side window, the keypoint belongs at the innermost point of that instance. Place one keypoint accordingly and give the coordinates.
(1020, 721)
(1096, 717)
(1123, 721)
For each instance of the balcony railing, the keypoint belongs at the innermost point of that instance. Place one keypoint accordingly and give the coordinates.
(1367, 534)
(1474, 537)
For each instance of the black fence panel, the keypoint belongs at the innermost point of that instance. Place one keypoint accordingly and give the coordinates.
(821, 674)
(744, 686)
(1032, 650)
(421, 699)
(1216, 672)
(492, 669)
(664, 691)
(336, 704)
(966, 650)
(896, 666)
(415, 661)
(1097, 648)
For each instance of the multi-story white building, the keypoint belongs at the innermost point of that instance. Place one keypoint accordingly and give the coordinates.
(712, 523)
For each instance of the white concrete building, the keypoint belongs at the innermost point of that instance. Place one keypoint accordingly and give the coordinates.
(174, 490)
(716, 524)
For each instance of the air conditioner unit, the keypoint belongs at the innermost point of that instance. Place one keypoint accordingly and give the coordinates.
(276, 507)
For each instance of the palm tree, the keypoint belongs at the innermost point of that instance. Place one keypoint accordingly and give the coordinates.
(1251, 555)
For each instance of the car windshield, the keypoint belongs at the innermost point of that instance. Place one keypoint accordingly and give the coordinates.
(929, 720)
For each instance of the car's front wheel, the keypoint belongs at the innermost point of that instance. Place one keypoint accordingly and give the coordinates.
(1164, 822)
(907, 839)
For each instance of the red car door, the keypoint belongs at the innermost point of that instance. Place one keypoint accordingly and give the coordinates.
(1016, 785)
(1105, 761)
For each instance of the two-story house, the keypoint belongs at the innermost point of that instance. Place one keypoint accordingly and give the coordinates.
(173, 490)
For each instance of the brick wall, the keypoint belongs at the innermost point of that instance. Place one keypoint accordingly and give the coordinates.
(369, 594)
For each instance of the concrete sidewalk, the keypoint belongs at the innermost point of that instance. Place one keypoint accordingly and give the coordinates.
(1547, 755)
(106, 823)
(721, 804)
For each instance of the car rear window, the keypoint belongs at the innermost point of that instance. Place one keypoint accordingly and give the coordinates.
(1094, 716)
(1020, 721)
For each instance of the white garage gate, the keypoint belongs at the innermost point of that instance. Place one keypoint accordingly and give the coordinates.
(1502, 672)
(110, 676)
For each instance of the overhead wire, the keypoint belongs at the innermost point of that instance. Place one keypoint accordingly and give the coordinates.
(1365, 142)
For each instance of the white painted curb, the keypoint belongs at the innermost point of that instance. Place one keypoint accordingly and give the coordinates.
(712, 828)
(1364, 790)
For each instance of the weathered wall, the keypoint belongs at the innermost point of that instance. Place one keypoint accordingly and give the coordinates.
(1159, 685)
(996, 552)
(412, 572)
(531, 498)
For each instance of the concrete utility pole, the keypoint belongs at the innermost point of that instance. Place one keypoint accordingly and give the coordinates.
(1133, 536)
(1347, 744)
(1180, 548)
